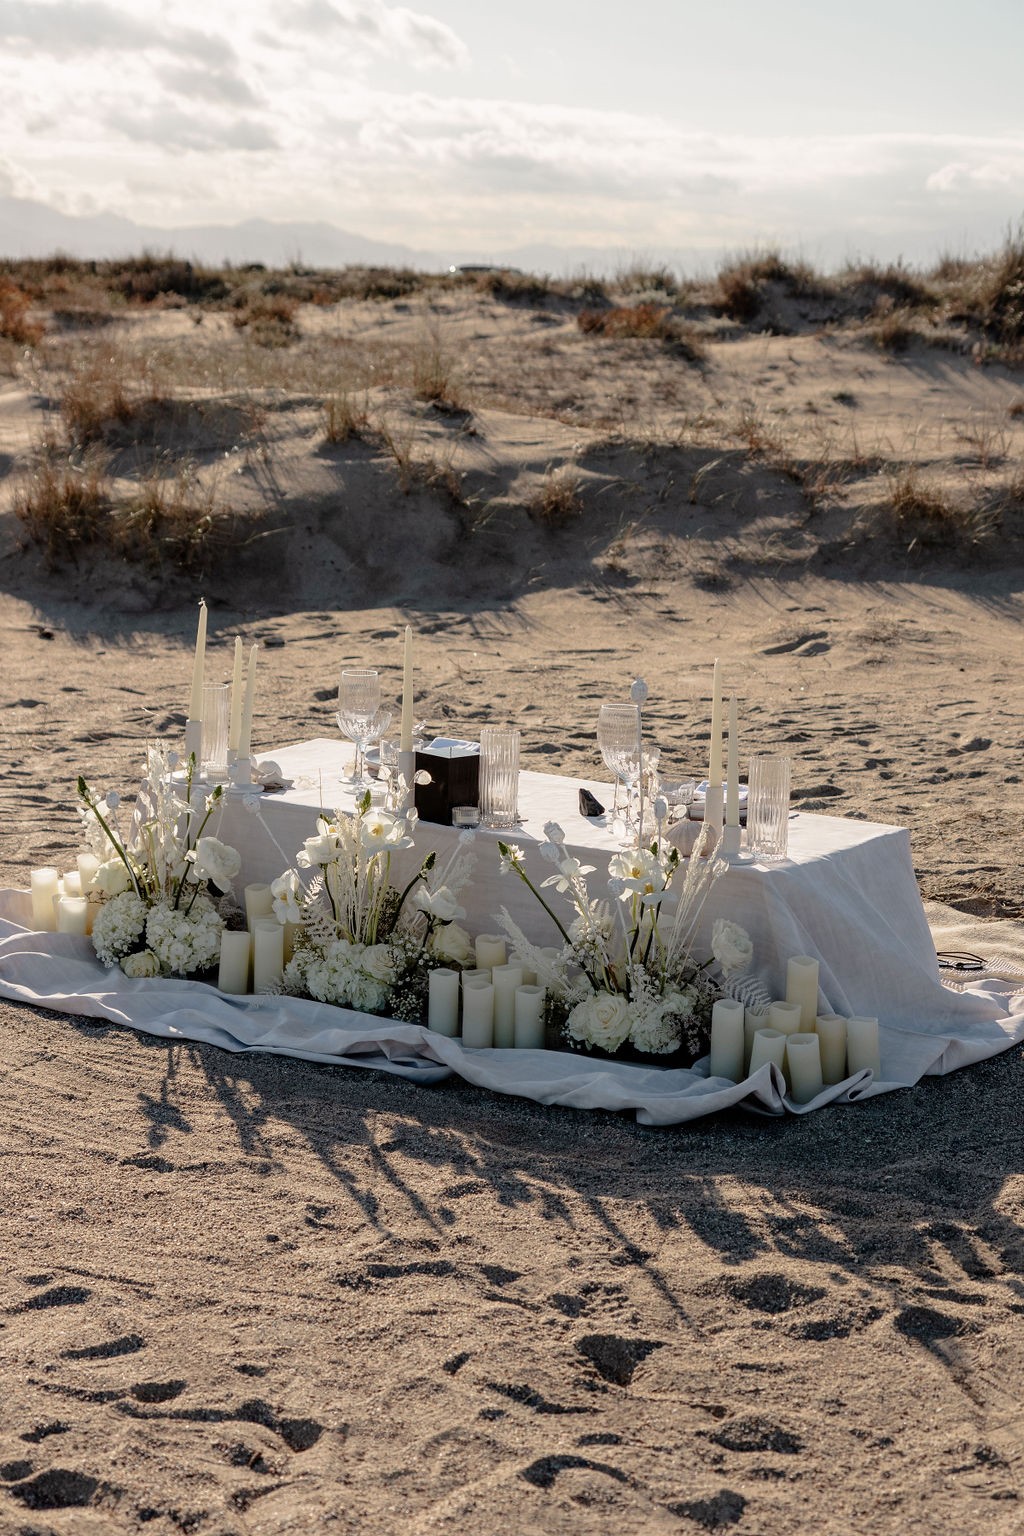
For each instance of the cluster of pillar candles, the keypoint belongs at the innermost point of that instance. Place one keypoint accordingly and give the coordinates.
(60, 903)
(813, 1050)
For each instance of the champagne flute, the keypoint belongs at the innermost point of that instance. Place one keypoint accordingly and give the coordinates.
(358, 702)
(616, 737)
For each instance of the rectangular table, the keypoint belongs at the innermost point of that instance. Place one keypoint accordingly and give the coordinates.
(846, 894)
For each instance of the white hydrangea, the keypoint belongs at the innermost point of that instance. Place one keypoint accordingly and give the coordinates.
(118, 927)
(185, 942)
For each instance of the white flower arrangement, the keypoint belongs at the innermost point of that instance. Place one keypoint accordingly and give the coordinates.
(363, 943)
(626, 975)
(155, 915)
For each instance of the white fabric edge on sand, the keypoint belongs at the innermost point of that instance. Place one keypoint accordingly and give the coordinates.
(61, 972)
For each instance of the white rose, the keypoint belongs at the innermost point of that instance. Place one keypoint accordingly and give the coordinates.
(731, 946)
(603, 1020)
(216, 862)
(453, 943)
(111, 878)
(379, 962)
(440, 903)
(142, 963)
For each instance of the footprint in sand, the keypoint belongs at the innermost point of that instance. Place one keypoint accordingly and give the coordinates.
(127, 1344)
(615, 1358)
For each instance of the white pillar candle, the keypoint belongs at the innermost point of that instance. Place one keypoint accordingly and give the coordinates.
(478, 1016)
(267, 953)
(862, 1048)
(235, 954)
(785, 1017)
(88, 864)
(72, 883)
(72, 914)
(45, 885)
(529, 977)
(506, 978)
(732, 780)
(769, 1045)
(245, 727)
(259, 902)
(831, 1031)
(803, 1067)
(529, 1027)
(195, 708)
(727, 1040)
(802, 988)
(753, 1020)
(235, 719)
(443, 1001)
(476, 978)
(405, 738)
(490, 950)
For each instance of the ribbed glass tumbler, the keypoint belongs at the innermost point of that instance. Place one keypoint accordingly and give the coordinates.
(216, 709)
(499, 776)
(768, 807)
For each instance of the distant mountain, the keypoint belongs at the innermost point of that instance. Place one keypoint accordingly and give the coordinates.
(30, 228)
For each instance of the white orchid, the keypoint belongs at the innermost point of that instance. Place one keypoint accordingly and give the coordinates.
(215, 861)
(439, 904)
(286, 890)
(569, 871)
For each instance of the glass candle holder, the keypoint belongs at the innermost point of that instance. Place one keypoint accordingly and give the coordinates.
(768, 807)
(216, 714)
(499, 776)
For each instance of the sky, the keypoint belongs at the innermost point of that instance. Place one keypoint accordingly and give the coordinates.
(661, 128)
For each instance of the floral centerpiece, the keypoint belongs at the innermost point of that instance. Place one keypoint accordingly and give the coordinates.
(626, 976)
(156, 916)
(362, 941)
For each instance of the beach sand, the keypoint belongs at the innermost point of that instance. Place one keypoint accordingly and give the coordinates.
(267, 1296)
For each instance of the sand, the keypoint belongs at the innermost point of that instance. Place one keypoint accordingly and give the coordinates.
(269, 1296)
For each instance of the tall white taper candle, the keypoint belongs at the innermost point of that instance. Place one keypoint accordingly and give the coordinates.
(405, 740)
(195, 708)
(245, 729)
(713, 802)
(732, 782)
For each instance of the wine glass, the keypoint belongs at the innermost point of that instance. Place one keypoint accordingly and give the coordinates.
(617, 726)
(358, 703)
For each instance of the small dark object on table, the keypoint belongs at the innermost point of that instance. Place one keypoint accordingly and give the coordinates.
(589, 804)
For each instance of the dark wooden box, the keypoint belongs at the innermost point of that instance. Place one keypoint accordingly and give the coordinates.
(454, 780)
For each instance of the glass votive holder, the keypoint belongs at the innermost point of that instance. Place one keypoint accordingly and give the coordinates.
(465, 816)
(499, 776)
(216, 712)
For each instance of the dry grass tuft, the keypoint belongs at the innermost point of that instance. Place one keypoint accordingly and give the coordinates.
(931, 517)
(345, 416)
(559, 499)
(16, 324)
(741, 286)
(64, 506)
(892, 326)
(647, 322)
(269, 319)
(435, 372)
(102, 396)
(511, 287)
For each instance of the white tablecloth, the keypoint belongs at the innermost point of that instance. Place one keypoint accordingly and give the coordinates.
(846, 894)
(60, 971)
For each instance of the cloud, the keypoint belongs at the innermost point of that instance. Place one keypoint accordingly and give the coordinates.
(427, 42)
(223, 87)
(173, 129)
(66, 28)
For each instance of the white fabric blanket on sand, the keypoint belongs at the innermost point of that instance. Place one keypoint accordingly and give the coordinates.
(60, 971)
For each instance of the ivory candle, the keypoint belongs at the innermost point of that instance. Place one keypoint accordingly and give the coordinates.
(529, 1021)
(803, 1066)
(831, 1031)
(715, 761)
(72, 883)
(195, 708)
(753, 1020)
(802, 988)
(235, 952)
(45, 885)
(505, 978)
(72, 914)
(235, 723)
(785, 1017)
(478, 1016)
(259, 902)
(490, 950)
(529, 977)
(245, 728)
(405, 739)
(732, 783)
(267, 953)
(727, 1040)
(477, 978)
(769, 1046)
(88, 864)
(443, 1001)
(862, 1048)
